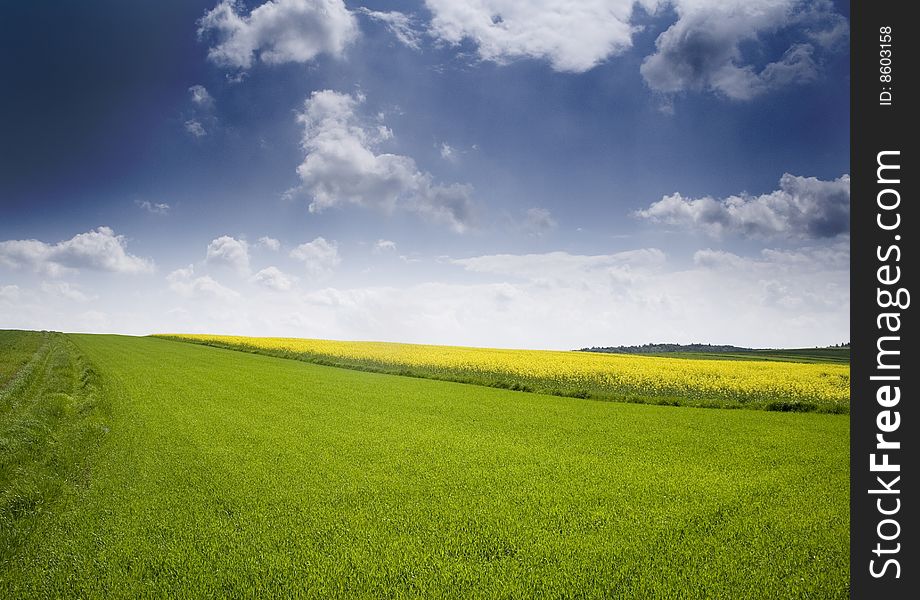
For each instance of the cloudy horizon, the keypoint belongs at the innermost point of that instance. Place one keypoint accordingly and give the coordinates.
(500, 173)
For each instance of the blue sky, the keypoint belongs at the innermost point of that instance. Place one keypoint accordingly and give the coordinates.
(498, 172)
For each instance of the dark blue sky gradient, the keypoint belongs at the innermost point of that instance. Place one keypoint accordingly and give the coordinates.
(97, 94)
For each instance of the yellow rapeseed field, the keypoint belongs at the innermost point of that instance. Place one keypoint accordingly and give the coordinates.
(782, 385)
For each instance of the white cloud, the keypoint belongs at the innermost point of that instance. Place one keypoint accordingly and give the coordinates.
(562, 268)
(833, 257)
(195, 128)
(9, 293)
(448, 153)
(716, 259)
(278, 31)
(836, 256)
(553, 300)
(824, 27)
(343, 166)
(399, 24)
(66, 291)
(182, 274)
(702, 51)
(202, 121)
(381, 246)
(319, 256)
(572, 35)
(230, 252)
(274, 278)
(201, 97)
(269, 243)
(98, 250)
(560, 300)
(802, 207)
(803, 280)
(154, 208)
(184, 283)
(538, 221)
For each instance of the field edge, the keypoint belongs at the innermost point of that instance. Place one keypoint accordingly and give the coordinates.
(510, 383)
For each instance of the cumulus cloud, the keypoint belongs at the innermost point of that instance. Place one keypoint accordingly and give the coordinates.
(195, 128)
(65, 290)
(399, 24)
(553, 300)
(802, 207)
(319, 257)
(824, 27)
(716, 259)
(201, 97)
(269, 243)
(703, 50)
(184, 283)
(810, 279)
(274, 278)
(708, 47)
(182, 274)
(538, 222)
(97, 250)
(154, 208)
(278, 31)
(835, 257)
(343, 166)
(563, 268)
(382, 246)
(572, 35)
(622, 298)
(201, 120)
(230, 252)
(448, 153)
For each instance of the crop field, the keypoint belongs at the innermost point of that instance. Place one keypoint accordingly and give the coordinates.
(145, 467)
(17, 348)
(710, 382)
(839, 356)
(50, 417)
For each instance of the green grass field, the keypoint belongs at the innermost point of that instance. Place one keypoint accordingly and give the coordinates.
(838, 356)
(16, 349)
(178, 470)
(759, 381)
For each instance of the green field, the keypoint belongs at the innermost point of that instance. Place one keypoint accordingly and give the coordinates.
(16, 349)
(143, 467)
(838, 356)
(760, 381)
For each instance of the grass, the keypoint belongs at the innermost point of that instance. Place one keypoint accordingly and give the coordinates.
(799, 386)
(834, 356)
(17, 348)
(51, 417)
(234, 475)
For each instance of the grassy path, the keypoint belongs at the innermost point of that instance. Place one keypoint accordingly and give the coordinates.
(235, 475)
(17, 348)
(52, 417)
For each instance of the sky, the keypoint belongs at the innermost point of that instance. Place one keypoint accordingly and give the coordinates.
(510, 173)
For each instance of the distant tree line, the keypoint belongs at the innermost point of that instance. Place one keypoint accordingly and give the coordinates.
(662, 348)
(656, 348)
